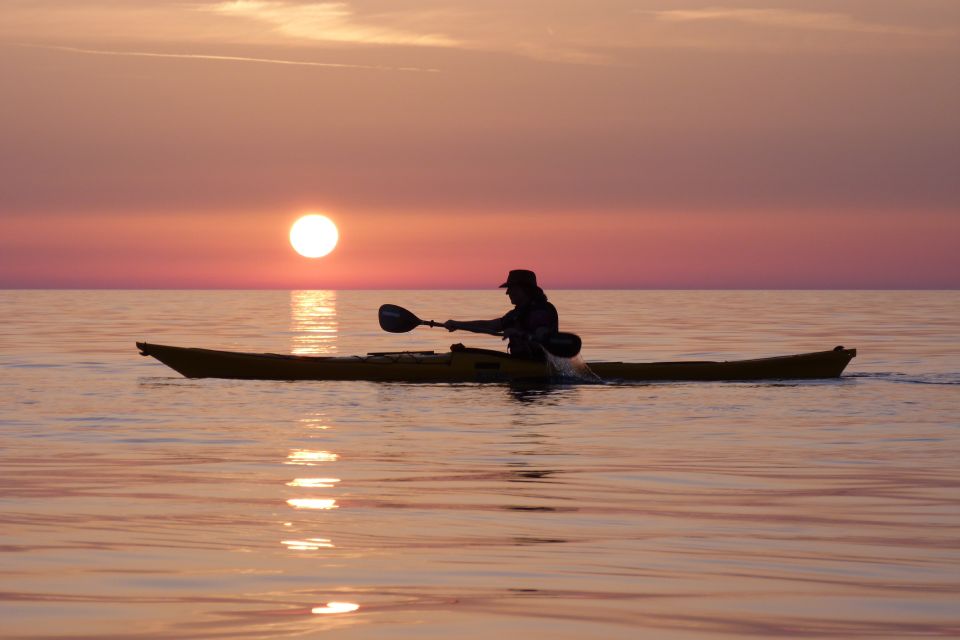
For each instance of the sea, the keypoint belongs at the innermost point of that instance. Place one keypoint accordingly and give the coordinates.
(138, 504)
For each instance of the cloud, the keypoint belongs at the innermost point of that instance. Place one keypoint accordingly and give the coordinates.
(200, 56)
(793, 19)
(579, 32)
(324, 21)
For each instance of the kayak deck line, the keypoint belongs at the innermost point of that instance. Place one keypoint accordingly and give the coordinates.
(465, 364)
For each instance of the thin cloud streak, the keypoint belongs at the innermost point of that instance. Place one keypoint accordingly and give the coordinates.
(203, 56)
(794, 19)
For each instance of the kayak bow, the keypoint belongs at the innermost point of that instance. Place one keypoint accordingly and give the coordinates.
(478, 365)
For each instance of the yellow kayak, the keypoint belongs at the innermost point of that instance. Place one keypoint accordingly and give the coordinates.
(478, 365)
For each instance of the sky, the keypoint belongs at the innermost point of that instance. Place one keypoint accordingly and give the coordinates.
(603, 143)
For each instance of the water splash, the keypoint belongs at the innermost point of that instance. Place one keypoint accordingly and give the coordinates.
(573, 369)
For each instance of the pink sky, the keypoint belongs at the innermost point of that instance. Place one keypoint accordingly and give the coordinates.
(603, 143)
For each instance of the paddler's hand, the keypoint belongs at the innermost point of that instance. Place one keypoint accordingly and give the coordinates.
(513, 334)
(451, 325)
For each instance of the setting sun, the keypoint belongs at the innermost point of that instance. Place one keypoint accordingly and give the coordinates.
(314, 236)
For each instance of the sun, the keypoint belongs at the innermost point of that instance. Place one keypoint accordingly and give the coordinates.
(314, 236)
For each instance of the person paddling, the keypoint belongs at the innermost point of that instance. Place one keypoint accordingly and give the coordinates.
(532, 318)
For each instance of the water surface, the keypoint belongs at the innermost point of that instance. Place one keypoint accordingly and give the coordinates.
(135, 503)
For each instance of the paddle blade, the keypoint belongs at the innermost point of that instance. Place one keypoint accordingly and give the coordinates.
(397, 319)
(562, 345)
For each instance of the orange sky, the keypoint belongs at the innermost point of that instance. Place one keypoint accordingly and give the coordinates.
(603, 143)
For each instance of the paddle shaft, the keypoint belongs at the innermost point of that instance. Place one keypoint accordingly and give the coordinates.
(432, 323)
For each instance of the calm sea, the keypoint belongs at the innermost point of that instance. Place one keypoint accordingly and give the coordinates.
(135, 503)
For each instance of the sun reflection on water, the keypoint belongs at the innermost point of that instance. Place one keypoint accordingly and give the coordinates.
(313, 322)
(312, 503)
(309, 457)
(336, 607)
(314, 483)
(314, 423)
(317, 485)
(308, 544)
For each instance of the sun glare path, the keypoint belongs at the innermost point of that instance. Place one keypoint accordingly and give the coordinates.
(312, 503)
(336, 607)
(309, 458)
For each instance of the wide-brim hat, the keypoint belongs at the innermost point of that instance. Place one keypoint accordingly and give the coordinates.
(521, 278)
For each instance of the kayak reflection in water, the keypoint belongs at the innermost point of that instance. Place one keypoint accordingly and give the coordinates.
(531, 320)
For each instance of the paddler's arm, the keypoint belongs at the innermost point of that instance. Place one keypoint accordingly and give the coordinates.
(539, 335)
(476, 326)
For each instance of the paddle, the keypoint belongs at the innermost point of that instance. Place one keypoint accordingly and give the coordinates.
(399, 320)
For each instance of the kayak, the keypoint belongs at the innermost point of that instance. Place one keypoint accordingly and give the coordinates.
(464, 364)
